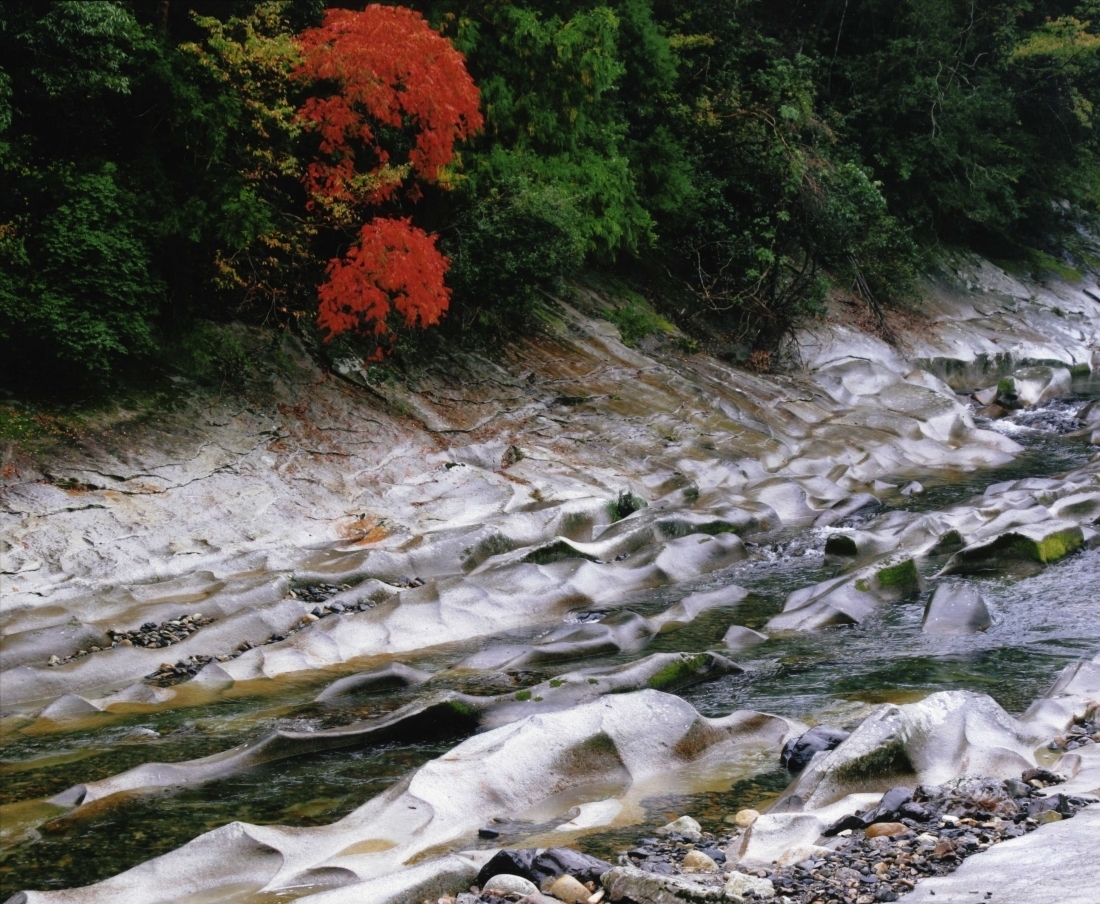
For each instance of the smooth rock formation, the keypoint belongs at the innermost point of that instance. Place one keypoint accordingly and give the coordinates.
(944, 736)
(741, 638)
(426, 881)
(622, 742)
(444, 713)
(955, 609)
(1031, 386)
(848, 600)
(386, 677)
(785, 838)
(1024, 549)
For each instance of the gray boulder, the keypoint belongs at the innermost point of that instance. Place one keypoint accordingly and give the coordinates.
(944, 736)
(956, 609)
(798, 752)
(1023, 550)
(628, 883)
(741, 638)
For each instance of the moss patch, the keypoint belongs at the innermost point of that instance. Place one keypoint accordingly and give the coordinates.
(1008, 546)
(885, 761)
(523, 696)
(627, 504)
(636, 320)
(486, 548)
(555, 552)
(903, 577)
(950, 542)
(676, 674)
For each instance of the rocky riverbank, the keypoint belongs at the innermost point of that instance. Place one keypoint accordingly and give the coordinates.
(556, 565)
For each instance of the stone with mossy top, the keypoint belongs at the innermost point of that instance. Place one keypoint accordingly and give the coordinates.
(1026, 548)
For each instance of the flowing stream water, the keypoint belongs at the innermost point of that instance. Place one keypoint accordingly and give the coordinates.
(834, 676)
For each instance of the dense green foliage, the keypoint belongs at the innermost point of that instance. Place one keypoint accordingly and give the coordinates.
(744, 156)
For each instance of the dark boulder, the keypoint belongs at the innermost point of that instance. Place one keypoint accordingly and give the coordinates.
(537, 865)
(798, 752)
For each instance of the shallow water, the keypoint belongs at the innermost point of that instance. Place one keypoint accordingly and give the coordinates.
(1041, 624)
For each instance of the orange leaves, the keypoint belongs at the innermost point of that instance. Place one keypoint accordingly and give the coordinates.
(394, 267)
(389, 68)
(389, 72)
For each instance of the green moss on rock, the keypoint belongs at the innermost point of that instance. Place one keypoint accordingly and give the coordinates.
(902, 577)
(950, 542)
(1019, 546)
(677, 673)
(555, 552)
(889, 760)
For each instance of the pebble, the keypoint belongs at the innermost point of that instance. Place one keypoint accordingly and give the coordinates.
(504, 884)
(570, 890)
(745, 818)
(697, 861)
(150, 635)
(886, 830)
(684, 826)
(887, 860)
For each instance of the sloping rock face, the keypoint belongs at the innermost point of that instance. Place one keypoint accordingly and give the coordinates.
(615, 744)
(499, 486)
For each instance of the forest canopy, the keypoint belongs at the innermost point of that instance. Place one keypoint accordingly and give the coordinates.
(336, 169)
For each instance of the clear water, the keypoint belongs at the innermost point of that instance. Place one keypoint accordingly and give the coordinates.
(1042, 623)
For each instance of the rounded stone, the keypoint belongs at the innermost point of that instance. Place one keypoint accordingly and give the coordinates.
(699, 862)
(886, 830)
(685, 826)
(504, 884)
(745, 818)
(568, 889)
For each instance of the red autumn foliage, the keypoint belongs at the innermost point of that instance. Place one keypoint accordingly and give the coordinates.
(389, 68)
(394, 267)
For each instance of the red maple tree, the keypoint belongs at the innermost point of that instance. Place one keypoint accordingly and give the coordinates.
(389, 68)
